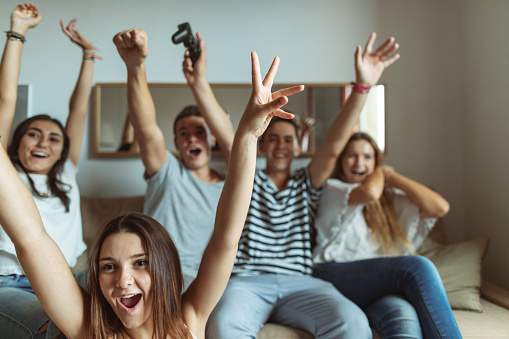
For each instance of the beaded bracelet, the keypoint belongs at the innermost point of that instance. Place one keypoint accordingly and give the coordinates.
(89, 54)
(11, 35)
(359, 88)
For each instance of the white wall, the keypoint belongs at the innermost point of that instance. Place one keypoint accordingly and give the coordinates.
(444, 97)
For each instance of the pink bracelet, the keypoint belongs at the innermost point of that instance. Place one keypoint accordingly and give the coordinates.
(359, 88)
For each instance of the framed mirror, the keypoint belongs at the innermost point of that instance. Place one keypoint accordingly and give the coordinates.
(315, 108)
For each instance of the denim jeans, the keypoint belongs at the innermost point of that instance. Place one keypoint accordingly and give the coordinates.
(415, 278)
(21, 314)
(302, 302)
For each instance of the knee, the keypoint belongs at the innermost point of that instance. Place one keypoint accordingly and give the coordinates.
(420, 265)
(349, 322)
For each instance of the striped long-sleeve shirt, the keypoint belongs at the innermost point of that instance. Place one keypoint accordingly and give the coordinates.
(278, 234)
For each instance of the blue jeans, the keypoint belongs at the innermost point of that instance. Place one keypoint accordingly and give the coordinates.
(21, 314)
(367, 282)
(302, 302)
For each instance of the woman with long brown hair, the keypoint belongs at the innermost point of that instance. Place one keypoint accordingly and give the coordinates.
(370, 220)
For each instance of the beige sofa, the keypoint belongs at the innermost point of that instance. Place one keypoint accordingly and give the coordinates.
(462, 282)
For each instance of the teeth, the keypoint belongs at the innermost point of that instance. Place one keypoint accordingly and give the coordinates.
(39, 154)
(128, 296)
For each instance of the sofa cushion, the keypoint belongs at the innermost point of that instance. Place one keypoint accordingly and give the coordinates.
(459, 266)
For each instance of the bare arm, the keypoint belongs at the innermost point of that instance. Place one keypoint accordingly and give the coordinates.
(215, 269)
(80, 97)
(430, 203)
(216, 118)
(132, 45)
(370, 190)
(40, 257)
(23, 18)
(368, 69)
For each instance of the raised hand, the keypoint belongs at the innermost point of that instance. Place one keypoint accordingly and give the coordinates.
(72, 32)
(264, 104)
(370, 65)
(196, 72)
(24, 17)
(132, 45)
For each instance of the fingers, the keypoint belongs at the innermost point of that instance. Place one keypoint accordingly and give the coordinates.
(391, 60)
(369, 43)
(288, 91)
(387, 48)
(387, 52)
(131, 38)
(274, 107)
(269, 78)
(256, 78)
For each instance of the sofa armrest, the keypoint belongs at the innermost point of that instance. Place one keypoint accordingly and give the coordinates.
(495, 294)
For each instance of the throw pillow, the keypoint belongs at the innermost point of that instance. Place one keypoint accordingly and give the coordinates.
(459, 266)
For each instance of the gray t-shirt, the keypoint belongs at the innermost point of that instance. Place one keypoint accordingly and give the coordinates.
(186, 207)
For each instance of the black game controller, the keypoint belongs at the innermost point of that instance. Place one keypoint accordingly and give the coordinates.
(185, 35)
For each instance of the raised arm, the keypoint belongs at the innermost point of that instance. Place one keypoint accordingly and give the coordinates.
(41, 259)
(80, 97)
(369, 66)
(430, 203)
(369, 190)
(215, 269)
(132, 45)
(23, 18)
(216, 118)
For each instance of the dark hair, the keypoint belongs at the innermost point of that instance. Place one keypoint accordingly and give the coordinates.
(165, 274)
(188, 111)
(276, 119)
(57, 187)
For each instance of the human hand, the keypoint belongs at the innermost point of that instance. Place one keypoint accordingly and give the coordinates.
(263, 104)
(72, 32)
(388, 171)
(132, 45)
(196, 72)
(24, 17)
(370, 65)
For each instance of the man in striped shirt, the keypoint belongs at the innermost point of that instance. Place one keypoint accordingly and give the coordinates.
(271, 280)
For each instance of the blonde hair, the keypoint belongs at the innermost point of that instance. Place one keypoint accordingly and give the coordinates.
(379, 214)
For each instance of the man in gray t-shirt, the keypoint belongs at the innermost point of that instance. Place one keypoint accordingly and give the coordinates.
(182, 194)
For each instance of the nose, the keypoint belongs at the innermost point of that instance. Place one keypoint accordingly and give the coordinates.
(43, 141)
(125, 279)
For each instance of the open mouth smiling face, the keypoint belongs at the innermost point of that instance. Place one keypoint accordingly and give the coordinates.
(41, 147)
(359, 161)
(124, 278)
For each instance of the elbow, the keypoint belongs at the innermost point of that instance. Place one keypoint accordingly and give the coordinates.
(443, 209)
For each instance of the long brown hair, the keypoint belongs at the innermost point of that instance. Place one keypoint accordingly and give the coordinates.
(379, 214)
(165, 274)
(56, 186)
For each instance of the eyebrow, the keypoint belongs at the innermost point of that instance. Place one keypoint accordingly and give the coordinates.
(132, 257)
(40, 131)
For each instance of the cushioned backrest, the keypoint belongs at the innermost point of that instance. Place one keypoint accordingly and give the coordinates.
(96, 212)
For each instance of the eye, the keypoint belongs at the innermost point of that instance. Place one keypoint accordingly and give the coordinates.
(108, 268)
(368, 156)
(183, 134)
(55, 140)
(289, 140)
(142, 263)
(33, 134)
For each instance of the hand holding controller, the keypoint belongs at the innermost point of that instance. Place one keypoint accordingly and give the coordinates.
(185, 35)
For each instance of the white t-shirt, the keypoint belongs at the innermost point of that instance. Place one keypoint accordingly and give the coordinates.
(63, 227)
(342, 232)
